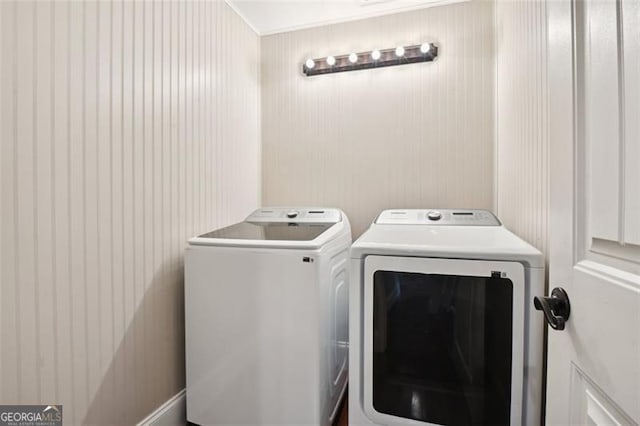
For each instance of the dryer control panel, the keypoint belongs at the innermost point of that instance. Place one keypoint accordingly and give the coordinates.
(295, 215)
(440, 217)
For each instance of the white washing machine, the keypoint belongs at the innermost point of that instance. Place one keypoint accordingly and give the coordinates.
(441, 324)
(266, 317)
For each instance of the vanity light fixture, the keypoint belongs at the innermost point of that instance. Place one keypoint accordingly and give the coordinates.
(401, 55)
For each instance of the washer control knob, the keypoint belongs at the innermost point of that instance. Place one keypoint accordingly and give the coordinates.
(433, 215)
(292, 214)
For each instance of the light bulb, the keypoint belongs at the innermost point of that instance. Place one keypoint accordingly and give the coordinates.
(310, 63)
(331, 61)
(399, 51)
(375, 55)
(425, 47)
(353, 58)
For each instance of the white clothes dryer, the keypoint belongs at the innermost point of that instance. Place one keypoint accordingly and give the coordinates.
(441, 324)
(266, 317)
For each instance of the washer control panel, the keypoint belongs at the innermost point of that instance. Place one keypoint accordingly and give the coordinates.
(295, 215)
(441, 217)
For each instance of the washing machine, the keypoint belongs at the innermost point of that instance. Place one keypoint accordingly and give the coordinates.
(266, 319)
(441, 323)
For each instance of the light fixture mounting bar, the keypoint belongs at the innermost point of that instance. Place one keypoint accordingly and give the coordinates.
(425, 52)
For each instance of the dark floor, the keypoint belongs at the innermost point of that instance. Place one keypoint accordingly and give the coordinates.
(343, 414)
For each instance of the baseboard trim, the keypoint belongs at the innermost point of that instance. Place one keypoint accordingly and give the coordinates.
(173, 412)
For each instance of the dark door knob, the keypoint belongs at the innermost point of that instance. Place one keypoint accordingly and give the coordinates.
(556, 308)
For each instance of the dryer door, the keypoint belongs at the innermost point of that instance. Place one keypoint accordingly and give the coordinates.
(443, 341)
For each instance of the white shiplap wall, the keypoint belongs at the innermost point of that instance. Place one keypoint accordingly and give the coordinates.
(126, 127)
(418, 135)
(522, 165)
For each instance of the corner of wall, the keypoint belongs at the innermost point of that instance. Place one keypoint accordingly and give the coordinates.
(496, 117)
(521, 125)
(237, 11)
(259, 106)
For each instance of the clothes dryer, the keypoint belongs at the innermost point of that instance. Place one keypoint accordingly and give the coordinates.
(441, 323)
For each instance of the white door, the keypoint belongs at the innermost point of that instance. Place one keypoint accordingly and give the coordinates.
(593, 374)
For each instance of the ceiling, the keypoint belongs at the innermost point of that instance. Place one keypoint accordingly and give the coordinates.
(276, 16)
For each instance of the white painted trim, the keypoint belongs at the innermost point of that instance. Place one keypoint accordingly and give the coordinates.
(172, 412)
(345, 19)
(614, 276)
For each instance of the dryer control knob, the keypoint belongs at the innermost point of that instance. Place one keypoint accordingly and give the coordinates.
(292, 213)
(434, 215)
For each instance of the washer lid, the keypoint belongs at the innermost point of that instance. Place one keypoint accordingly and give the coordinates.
(280, 227)
(270, 231)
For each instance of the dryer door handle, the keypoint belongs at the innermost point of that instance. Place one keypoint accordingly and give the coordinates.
(556, 308)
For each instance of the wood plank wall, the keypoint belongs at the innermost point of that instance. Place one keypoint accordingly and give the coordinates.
(414, 136)
(127, 127)
(522, 150)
